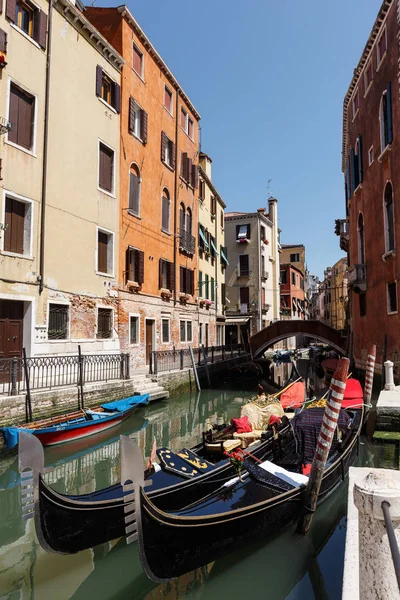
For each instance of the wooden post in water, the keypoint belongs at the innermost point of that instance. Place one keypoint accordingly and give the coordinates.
(28, 406)
(369, 374)
(194, 369)
(206, 364)
(80, 360)
(328, 427)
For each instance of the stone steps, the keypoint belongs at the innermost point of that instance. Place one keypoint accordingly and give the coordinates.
(145, 385)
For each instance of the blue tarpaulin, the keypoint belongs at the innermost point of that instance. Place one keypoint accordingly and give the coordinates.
(125, 403)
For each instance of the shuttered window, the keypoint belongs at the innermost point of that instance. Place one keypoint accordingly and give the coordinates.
(3, 40)
(184, 117)
(104, 323)
(166, 275)
(385, 118)
(137, 60)
(244, 267)
(14, 226)
(22, 117)
(165, 210)
(186, 281)
(213, 205)
(138, 121)
(134, 190)
(106, 168)
(207, 286)
(57, 328)
(107, 89)
(167, 151)
(30, 19)
(168, 99)
(133, 330)
(134, 265)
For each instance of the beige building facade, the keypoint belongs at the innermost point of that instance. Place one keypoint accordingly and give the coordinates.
(213, 258)
(59, 188)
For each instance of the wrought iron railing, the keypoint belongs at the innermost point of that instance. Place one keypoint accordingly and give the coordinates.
(47, 372)
(173, 360)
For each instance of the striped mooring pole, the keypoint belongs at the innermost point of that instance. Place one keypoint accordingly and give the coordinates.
(324, 443)
(369, 374)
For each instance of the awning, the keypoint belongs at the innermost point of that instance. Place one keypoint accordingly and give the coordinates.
(232, 320)
(224, 257)
(214, 248)
(203, 237)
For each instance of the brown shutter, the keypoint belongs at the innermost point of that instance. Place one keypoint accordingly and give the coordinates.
(195, 176)
(1, 6)
(189, 171)
(164, 142)
(173, 155)
(41, 28)
(13, 115)
(99, 80)
(182, 279)
(128, 265)
(187, 281)
(143, 126)
(26, 115)
(165, 214)
(171, 276)
(3, 40)
(8, 224)
(140, 265)
(116, 97)
(11, 9)
(131, 115)
(17, 229)
(184, 165)
(102, 252)
(223, 293)
(106, 168)
(160, 267)
(134, 193)
(192, 283)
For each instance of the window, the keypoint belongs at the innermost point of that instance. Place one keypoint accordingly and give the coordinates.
(184, 119)
(165, 210)
(293, 278)
(200, 284)
(212, 289)
(186, 331)
(295, 258)
(370, 156)
(57, 328)
(392, 297)
(188, 227)
(22, 117)
(361, 245)
(17, 221)
(186, 281)
(283, 277)
(213, 206)
(189, 171)
(262, 232)
(385, 118)
(133, 329)
(104, 323)
(202, 190)
(222, 219)
(105, 252)
(244, 267)
(134, 265)
(168, 99)
(138, 121)
(262, 265)
(138, 61)
(190, 130)
(30, 19)
(167, 151)
(356, 103)
(207, 287)
(165, 330)
(362, 298)
(244, 296)
(356, 163)
(182, 219)
(389, 218)
(166, 275)
(381, 48)
(368, 76)
(106, 168)
(107, 89)
(134, 190)
(242, 233)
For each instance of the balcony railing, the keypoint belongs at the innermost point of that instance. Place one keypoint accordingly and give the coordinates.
(357, 278)
(187, 242)
(342, 230)
(244, 273)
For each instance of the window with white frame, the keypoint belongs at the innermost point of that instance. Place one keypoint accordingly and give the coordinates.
(133, 329)
(104, 323)
(370, 156)
(168, 99)
(17, 236)
(21, 114)
(106, 168)
(389, 218)
(134, 190)
(356, 102)
(138, 120)
(392, 297)
(186, 331)
(385, 118)
(105, 252)
(138, 61)
(165, 330)
(58, 321)
(165, 211)
(381, 47)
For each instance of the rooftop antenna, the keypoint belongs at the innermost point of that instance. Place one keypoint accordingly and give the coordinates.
(269, 188)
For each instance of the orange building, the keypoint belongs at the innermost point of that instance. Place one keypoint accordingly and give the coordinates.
(158, 199)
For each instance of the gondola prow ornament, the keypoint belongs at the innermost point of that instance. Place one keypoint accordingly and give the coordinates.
(324, 443)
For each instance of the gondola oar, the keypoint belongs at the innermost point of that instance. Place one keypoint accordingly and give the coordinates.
(324, 443)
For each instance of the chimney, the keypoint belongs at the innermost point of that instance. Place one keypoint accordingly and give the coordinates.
(261, 210)
(272, 203)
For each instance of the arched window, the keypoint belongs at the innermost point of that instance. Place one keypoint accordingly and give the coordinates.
(361, 246)
(182, 217)
(389, 218)
(385, 118)
(189, 221)
(165, 210)
(134, 189)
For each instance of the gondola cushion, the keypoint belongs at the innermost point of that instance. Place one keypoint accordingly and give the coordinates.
(242, 425)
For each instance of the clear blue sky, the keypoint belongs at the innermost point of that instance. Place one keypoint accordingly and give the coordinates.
(268, 78)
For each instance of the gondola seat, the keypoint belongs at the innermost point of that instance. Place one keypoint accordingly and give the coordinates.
(249, 437)
(218, 447)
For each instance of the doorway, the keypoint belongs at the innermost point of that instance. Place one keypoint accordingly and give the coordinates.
(149, 341)
(11, 332)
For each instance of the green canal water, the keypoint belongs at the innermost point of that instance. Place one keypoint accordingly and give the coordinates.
(287, 566)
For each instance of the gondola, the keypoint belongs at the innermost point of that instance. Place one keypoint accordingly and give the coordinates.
(268, 499)
(79, 424)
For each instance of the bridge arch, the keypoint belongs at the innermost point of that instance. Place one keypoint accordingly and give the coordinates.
(281, 330)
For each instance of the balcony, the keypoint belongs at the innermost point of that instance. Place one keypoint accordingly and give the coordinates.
(342, 230)
(357, 278)
(244, 273)
(265, 308)
(264, 276)
(186, 242)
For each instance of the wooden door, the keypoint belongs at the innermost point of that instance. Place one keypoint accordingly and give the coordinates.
(149, 339)
(11, 333)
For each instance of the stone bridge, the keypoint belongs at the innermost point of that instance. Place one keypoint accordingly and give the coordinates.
(281, 330)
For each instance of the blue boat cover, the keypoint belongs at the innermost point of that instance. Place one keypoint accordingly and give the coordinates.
(126, 403)
(11, 436)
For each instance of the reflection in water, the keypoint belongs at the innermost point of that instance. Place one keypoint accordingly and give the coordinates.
(286, 566)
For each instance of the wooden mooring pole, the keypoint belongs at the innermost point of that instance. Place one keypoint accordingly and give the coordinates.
(369, 374)
(81, 404)
(328, 428)
(28, 402)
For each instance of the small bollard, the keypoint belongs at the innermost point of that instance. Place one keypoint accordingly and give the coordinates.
(389, 385)
(377, 576)
(14, 370)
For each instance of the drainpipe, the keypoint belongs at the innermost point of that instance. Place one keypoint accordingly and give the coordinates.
(176, 189)
(259, 270)
(45, 150)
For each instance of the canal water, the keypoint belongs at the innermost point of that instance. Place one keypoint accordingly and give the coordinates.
(287, 566)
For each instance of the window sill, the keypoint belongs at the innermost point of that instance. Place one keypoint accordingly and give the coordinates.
(132, 214)
(388, 254)
(135, 345)
(171, 115)
(385, 151)
(111, 194)
(138, 75)
(30, 152)
(109, 275)
(28, 37)
(368, 88)
(166, 232)
(107, 105)
(377, 69)
(359, 187)
(392, 313)
(168, 166)
(139, 139)
(186, 133)
(15, 255)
